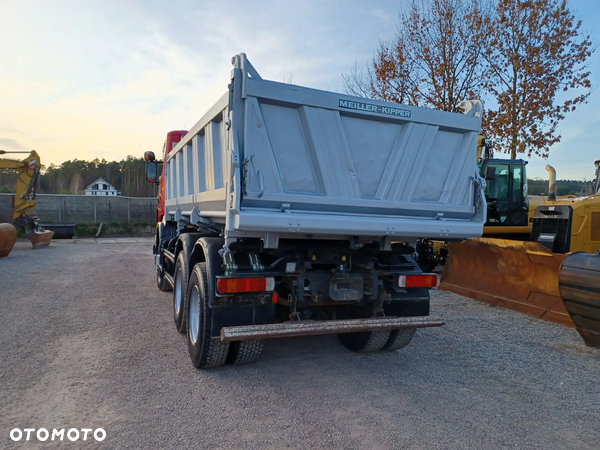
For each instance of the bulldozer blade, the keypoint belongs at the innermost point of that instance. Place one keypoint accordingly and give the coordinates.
(522, 276)
(40, 239)
(8, 237)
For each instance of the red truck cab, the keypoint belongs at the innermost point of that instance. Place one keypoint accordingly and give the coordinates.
(156, 172)
(173, 137)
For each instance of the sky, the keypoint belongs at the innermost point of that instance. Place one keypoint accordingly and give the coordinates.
(105, 79)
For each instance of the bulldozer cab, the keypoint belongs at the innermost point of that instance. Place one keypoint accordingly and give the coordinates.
(505, 192)
(597, 179)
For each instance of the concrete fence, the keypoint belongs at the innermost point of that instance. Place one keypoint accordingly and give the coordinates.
(55, 208)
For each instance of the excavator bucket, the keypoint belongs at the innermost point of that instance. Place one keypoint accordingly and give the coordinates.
(8, 237)
(522, 276)
(40, 238)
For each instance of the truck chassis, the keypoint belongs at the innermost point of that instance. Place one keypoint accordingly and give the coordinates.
(227, 303)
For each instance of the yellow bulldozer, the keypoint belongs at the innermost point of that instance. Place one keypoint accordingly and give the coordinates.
(524, 276)
(28, 171)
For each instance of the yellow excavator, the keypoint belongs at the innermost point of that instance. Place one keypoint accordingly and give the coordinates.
(28, 171)
(524, 276)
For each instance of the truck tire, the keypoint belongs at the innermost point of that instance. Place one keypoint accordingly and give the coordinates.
(365, 342)
(427, 266)
(399, 339)
(205, 352)
(180, 283)
(242, 352)
(425, 259)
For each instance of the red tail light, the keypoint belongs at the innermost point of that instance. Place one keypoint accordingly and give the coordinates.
(413, 281)
(235, 285)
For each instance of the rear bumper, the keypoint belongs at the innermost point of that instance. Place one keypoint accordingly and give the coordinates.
(307, 328)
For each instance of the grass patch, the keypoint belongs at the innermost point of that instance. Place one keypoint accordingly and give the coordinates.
(115, 229)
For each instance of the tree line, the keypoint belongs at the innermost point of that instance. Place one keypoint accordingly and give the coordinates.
(128, 176)
(563, 187)
(528, 60)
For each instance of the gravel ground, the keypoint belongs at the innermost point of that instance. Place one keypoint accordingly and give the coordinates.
(87, 341)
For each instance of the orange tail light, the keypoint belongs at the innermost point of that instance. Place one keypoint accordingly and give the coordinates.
(412, 281)
(236, 285)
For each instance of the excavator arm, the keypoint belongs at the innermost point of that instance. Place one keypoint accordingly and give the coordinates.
(28, 171)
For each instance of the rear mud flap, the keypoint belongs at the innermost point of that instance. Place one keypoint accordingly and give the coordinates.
(522, 276)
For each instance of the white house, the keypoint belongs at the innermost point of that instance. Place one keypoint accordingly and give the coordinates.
(101, 187)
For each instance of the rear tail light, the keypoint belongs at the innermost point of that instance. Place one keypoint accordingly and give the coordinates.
(413, 281)
(236, 285)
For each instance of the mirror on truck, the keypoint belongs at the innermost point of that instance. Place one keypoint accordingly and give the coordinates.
(490, 173)
(149, 156)
(153, 170)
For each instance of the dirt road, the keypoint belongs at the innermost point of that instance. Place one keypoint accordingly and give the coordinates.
(87, 341)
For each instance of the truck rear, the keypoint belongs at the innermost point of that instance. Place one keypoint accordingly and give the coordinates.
(291, 211)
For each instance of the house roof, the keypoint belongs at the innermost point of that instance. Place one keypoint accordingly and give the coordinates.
(100, 180)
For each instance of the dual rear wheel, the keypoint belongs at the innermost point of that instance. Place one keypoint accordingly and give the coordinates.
(180, 282)
(193, 316)
(206, 351)
(372, 341)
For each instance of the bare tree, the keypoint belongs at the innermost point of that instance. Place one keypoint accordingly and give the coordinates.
(434, 60)
(538, 73)
(446, 39)
(290, 79)
(358, 82)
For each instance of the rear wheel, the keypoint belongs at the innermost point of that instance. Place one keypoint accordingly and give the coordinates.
(399, 339)
(364, 342)
(206, 352)
(242, 352)
(179, 293)
(426, 262)
(426, 259)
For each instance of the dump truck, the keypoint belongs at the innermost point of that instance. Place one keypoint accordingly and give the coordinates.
(28, 171)
(290, 211)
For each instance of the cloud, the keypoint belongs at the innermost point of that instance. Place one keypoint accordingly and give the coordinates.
(11, 144)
